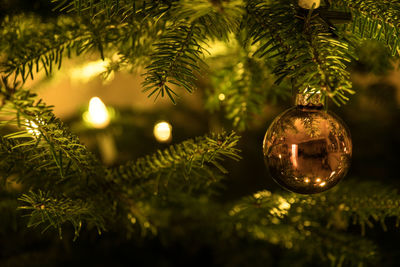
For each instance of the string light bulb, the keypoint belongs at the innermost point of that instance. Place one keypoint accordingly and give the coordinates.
(97, 115)
(163, 132)
(32, 128)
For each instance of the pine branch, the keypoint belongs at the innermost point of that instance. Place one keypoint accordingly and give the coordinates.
(241, 85)
(384, 10)
(134, 44)
(46, 156)
(340, 207)
(175, 61)
(190, 161)
(54, 161)
(364, 204)
(319, 221)
(45, 138)
(29, 45)
(54, 212)
(178, 55)
(241, 98)
(191, 169)
(123, 10)
(218, 18)
(307, 52)
(376, 20)
(22, 165)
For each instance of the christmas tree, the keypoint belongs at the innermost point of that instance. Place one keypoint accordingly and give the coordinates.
(164, 165)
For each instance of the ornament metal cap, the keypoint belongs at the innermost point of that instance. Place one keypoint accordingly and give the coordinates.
(309, 100)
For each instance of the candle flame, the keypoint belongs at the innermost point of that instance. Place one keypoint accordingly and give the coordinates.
(98, 115)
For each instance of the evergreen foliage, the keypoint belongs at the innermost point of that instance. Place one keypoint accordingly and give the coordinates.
(270, 48)
(375, 20)
(44, 155)
(306, 223)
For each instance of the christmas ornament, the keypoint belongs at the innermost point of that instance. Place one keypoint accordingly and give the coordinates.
(307, 149)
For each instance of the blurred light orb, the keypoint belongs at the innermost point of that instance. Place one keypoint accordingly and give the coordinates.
(308, 4)
(90, 70)
(32, 128)
(97, 115)
(221, 97)
(163, 131)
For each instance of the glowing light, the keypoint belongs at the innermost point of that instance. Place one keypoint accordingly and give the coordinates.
(306, 180)
(318, 180)
(98, 115)
(280, 156)
(32, 128)
(294, 155)
(218, 48)
(308, 4)
(162, 131)
(284, 205)
(322, 184)
(90, 70)
(221, 97)
(262, 194)
(332, 174)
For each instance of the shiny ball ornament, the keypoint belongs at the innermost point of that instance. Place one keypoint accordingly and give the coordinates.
(307, 149)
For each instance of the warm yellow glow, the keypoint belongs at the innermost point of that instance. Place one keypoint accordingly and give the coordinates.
(162, 131)
(307, 180)
(262, 194)
(294, 155)
(218, 48)
(284, 205)
(308, 4)
(32, 128)
(322, 184)
(97, 116)
(90, 70)
(221, 97)
(318, 180)
(280, 156)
